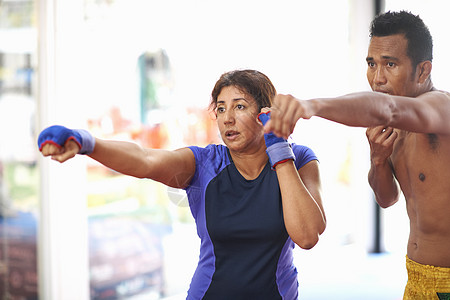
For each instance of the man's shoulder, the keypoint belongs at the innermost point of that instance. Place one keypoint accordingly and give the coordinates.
(436, 93)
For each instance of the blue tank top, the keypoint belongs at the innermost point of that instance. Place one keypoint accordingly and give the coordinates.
(245, 251)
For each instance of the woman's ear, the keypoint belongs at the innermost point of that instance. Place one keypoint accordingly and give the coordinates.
(213, 114)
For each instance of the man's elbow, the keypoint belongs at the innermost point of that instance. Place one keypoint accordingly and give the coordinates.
(386, 205)
(386, 202)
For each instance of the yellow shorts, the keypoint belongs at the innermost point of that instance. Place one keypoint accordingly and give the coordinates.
(426, 282)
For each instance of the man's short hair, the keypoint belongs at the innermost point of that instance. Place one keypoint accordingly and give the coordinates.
(420, 42)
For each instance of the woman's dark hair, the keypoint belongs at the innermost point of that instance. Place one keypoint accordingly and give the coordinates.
(250, 82)
(420, 42)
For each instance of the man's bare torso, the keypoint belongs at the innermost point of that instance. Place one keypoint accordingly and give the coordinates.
(421, 164)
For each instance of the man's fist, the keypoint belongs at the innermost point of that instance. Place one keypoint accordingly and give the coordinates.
(278, 149)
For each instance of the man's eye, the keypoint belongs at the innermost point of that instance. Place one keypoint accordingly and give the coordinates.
(391, 64)
(371, 64)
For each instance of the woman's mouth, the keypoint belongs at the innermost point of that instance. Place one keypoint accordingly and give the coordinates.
(231, 134)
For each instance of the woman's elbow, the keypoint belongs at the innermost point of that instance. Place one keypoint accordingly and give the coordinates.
(309, 240)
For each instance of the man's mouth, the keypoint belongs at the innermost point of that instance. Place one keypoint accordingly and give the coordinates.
(381, 91)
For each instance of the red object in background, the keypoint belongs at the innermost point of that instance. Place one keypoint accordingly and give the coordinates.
(155, 137)
(201, 132)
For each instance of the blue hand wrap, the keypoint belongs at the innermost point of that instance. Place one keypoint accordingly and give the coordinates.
(278, 149)
(59, 135)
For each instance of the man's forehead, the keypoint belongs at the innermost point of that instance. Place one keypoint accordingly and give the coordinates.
(387, 47)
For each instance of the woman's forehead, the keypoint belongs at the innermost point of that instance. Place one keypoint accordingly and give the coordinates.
(234, 93)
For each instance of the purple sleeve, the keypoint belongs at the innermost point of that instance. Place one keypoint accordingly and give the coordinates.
(303, 155)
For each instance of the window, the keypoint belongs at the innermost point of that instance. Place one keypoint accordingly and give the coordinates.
(18, 169)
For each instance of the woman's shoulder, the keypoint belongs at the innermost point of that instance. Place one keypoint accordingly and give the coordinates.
(301, 148)
(215, 148)
(303, 154)
(209, 152)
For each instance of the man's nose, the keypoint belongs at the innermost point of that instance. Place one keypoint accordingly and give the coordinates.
(379, 77)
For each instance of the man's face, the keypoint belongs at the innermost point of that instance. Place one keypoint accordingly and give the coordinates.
(389, 68)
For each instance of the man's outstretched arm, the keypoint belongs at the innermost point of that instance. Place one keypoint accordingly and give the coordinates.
(427, 113)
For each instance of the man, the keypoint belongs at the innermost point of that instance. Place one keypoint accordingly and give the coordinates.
(408, 131)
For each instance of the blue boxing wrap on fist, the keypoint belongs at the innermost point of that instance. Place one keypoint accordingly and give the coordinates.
(278, 149)
(59, 135)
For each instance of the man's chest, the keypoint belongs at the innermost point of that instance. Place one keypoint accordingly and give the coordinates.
(420, 162)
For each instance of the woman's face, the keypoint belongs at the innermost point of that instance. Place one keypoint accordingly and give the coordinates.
(237, 120)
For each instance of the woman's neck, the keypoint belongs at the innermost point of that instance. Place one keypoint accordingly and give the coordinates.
(250, 165)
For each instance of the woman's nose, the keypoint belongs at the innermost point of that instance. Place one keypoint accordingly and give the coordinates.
(228, 116)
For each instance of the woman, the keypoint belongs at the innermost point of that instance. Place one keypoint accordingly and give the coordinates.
(252, 198)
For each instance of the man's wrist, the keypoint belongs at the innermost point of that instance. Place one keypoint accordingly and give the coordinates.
(377, 163)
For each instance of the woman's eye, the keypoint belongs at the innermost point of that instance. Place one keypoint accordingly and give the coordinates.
(220, 110)
(240, 106)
